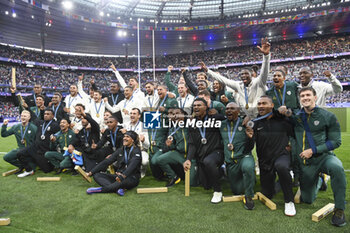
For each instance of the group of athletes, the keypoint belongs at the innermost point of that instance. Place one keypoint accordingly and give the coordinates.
(209, 128)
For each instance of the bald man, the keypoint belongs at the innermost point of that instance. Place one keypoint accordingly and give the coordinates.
(239, 161)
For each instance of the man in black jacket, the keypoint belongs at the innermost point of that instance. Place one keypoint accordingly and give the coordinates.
(87, 136)
(30, 100)
(271, 134)
(37, 151)
(58, 107)
(111, 140)
(205, 145)
(127, 164)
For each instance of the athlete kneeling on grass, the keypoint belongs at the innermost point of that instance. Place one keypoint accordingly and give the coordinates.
(127, 163)
(317, 134)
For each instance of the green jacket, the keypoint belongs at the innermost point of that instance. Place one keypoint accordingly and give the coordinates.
(63, 140)
(29, 136)
(159, 138)
(291, 97)
(220, 107)
(170, 85)
(243, 145)
(325, 131)
(35, 113)
(168, 103)
(179, 142)
(229, 96)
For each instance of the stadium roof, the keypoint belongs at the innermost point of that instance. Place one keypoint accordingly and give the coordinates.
(48, 25)
(188, 10)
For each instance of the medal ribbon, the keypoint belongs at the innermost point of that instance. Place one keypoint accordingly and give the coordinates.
(200, 129)
(25, 130)
(282, 97)
(127, 155)
(231, 134)
(43, 130)
(113, 139)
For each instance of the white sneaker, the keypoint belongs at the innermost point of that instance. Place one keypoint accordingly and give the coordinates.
(217, 197)
(25, 173)
(289, 209)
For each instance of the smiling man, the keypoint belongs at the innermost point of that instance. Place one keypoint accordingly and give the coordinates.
(73, 99)
(271, 134)
(59, 141)
(25, 136)
(248, 89)
(284, 93)
(36, 151)
(126, 161)
(238, 157)
(317, 134)
(58, 107)
(205, 146)
(285, 98)
(323, 89)
(133, 83)
(126, 105)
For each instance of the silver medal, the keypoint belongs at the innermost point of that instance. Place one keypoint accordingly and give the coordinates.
(250, 124)
(42, 137)
(204, 141)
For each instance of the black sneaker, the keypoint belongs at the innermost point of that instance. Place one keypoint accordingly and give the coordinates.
(338, 218)
(248, 203)
(74, 173)
(324, 185)
(59, 171)
(20, 170)
(173, 181)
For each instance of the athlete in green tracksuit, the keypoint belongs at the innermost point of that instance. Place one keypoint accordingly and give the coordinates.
(157, 137)
(239, 161)
(175, 149)
(59, 141)
(286, 94)
(25, 136)
(317, 134)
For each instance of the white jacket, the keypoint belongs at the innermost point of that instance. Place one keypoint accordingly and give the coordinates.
(323, 89)
(255, 89)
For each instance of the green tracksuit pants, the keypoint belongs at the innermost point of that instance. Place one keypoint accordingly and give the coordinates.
(11, 158)
(241, 176)
(309, 179)
(58, 160)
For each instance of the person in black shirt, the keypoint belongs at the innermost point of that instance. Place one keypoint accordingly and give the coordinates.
(87, 136)
(37, 151)
(30, 100)
(205, 145)
(58, 107)
(127, 163)
(113, 136)
(271, 133)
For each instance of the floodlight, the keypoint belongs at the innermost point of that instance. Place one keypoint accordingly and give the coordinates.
(67, 5)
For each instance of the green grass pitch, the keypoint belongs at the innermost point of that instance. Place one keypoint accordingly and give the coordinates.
(65, 207)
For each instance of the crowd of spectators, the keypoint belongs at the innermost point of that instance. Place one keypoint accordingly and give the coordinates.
(8, 110)
(61, 79)
(53, 80)
(280, 50)
(343, 97)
